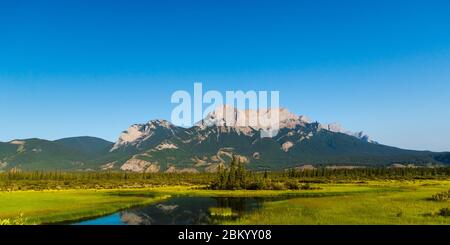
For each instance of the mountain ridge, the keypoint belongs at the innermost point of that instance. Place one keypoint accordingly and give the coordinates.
(159, 146)
(211, 142)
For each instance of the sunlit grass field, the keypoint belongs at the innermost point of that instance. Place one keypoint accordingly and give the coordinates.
(373, 202)
(409, 204)
(41, 207)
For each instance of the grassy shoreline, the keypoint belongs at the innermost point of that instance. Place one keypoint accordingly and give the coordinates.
(372, 202)
(62, 206)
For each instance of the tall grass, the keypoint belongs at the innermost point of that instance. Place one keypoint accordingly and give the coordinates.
(19, 220)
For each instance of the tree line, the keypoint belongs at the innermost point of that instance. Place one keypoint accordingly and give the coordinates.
(235, 176)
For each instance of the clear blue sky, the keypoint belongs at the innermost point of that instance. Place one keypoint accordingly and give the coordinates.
(70, 68)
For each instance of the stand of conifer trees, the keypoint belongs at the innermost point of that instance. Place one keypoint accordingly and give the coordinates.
(233, 178)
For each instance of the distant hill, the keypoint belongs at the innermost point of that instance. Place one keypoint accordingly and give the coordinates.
(159, 146)
(64, 154)
(86, 145)
(444, 158)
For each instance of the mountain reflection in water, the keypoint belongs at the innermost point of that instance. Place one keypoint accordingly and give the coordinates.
(180, 211)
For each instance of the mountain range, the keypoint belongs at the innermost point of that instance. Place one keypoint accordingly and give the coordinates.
(159, 146)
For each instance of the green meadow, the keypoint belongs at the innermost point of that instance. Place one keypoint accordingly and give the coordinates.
(43, 207)
(370, 202)
(407, 203)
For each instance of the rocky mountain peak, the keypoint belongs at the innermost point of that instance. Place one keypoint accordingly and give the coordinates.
(337, 128)
(137, 133)
(227, 119)
(230, 116)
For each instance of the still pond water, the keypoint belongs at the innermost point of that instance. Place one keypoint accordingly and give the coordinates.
(182, 211)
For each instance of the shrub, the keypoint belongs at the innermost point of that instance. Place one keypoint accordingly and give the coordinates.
(444, 212)
(441, 197)
(257, 185)
(306, 187)
(278, 186)
(292, 185)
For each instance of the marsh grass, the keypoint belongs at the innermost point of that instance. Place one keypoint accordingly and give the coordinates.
(19, 220)
(64, 206)
(441, 197)
(445, 212)
(221, 212)
(368, 202)
(408, 204)
(47, 207)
